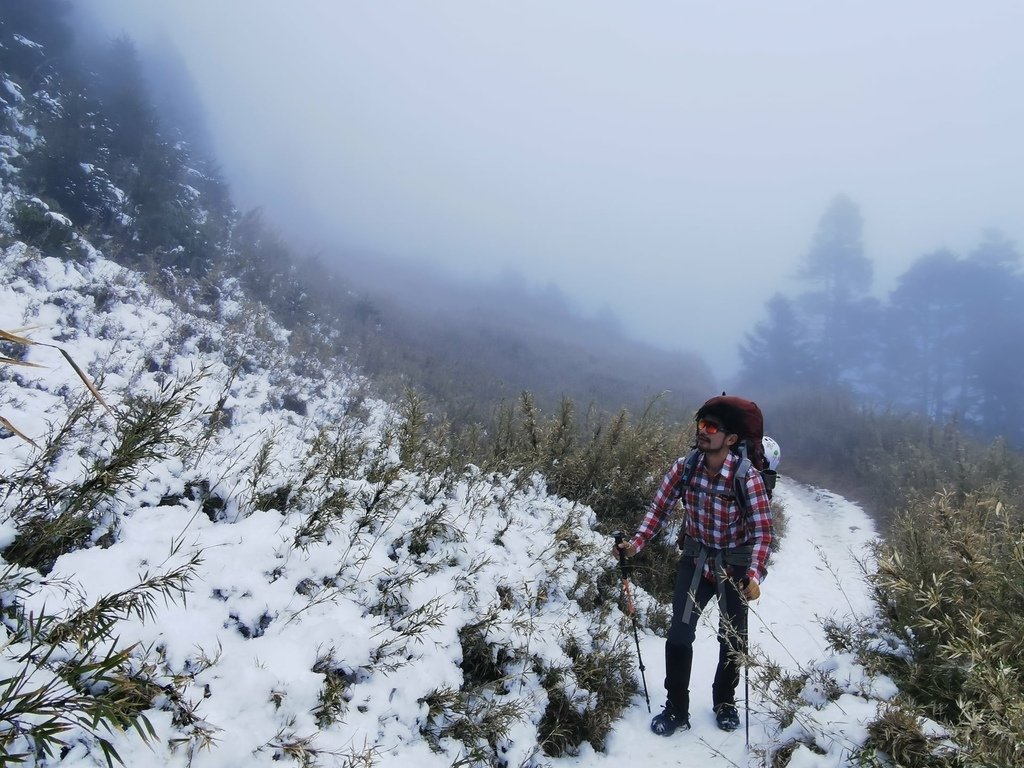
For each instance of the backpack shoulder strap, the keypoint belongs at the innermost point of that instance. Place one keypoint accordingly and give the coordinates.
(689, 467)
(739, 482)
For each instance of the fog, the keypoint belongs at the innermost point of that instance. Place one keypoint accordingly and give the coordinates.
(667, 160)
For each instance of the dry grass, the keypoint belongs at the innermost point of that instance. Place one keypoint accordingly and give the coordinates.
(18, 339)
(949, 583)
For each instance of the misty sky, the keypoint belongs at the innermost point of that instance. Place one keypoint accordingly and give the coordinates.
(668, 159)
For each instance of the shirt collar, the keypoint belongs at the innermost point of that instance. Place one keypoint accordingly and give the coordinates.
(731, 459)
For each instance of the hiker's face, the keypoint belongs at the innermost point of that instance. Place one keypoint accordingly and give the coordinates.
(710, 434)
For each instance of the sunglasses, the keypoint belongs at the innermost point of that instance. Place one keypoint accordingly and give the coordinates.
(709, 427)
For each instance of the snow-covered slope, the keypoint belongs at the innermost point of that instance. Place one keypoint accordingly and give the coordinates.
(369, 587)
(335, 627)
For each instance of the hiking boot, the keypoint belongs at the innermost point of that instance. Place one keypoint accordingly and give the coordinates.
(727, 717)
(668, 722)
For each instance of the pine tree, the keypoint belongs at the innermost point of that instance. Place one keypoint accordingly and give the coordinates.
(953, 344)
(926, 333)
(995, 287)
(775, 355)
(839, 314)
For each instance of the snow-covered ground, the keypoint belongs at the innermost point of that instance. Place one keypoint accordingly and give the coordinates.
(272, 610)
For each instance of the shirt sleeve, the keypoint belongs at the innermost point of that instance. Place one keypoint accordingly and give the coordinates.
(759, 524)
(660, 511)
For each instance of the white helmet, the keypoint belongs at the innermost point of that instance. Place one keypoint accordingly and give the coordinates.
(772, 452)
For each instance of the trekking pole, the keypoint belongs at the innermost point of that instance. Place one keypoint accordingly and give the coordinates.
(631, 610)
(746, 672)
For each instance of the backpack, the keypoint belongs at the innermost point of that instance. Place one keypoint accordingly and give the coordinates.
(748, 422)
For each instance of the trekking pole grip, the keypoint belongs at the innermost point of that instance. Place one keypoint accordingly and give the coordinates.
(626, 570)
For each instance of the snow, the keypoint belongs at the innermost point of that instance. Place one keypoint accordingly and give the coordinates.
(271, 608)
(26, 42)
(13, 89)
(60, 218)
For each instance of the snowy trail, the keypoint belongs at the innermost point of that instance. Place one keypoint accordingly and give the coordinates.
(827, 536)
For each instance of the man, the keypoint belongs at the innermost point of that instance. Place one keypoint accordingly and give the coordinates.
(724, 551)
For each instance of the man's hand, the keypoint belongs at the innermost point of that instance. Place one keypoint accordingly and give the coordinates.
(752, 590)
(623, 546)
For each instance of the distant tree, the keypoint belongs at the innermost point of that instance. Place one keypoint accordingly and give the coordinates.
(176, 212)
(175, 97)
(141, 163)
(68, 165)
(262, 257)
(836, 261)
(775, 354)
(118, 82)
(996, 251)
(924, 346)
(994, 286)
(954, 345)
(838, 315)
(863, 325)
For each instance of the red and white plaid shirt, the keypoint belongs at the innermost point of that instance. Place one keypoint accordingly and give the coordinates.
(712, 519)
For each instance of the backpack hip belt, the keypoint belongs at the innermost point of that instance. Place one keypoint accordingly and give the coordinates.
(737, 557)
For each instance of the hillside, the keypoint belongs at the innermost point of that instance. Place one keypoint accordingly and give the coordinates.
(470, 345)
(308, 570)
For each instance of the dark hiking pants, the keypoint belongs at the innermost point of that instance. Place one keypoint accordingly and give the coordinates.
(692, 594)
